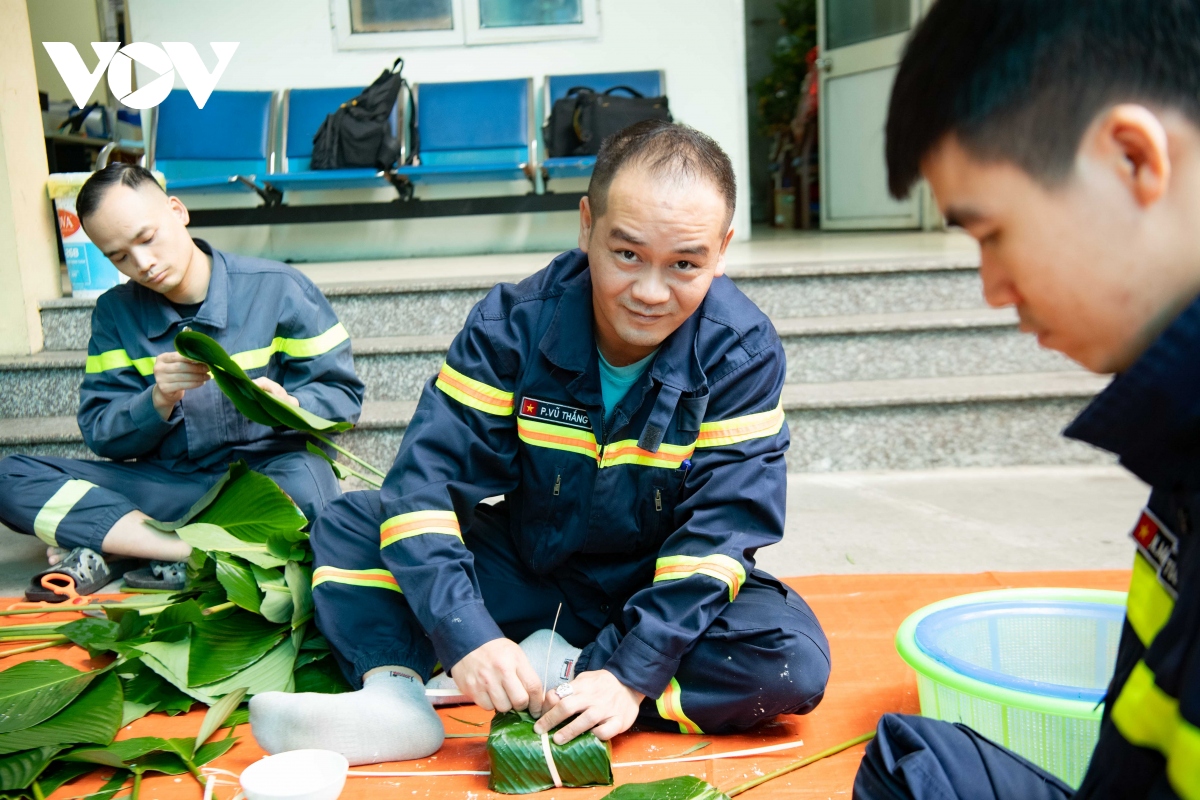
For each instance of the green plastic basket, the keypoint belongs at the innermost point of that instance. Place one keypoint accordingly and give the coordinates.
(1026, 668)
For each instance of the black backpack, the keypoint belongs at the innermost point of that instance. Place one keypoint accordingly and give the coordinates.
(583, 119)
(358, 133)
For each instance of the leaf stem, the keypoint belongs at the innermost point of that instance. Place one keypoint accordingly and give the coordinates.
(137, 785)
(804, 762)
(28, 649)
(347, 453)
(218, 607)
(364, 478)
(37, 791)
(50, 637)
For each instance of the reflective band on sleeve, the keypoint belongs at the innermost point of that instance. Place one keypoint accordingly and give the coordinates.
(374, 578)
(294, 348)
(670, 707)
(725, 569)
(415, 523)
(556, 437)
(1149, 606)
(740, 429)
(119, 359)
(669, 456)
(45, 524)
(1149, 717)
(473, 393)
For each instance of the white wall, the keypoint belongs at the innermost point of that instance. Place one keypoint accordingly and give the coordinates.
(290, 43)
(72, 21)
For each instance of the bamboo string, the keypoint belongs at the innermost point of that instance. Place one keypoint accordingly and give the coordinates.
(801, 763)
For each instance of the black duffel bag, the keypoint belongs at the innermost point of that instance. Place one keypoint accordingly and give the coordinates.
(358, 133)
(583, 119)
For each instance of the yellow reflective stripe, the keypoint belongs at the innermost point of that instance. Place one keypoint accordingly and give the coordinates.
(373, 578)
(556, 437)
(669, 456)
(45, 524)
(119, 359)
(739, 429)
(1149, 606)
(295, 348)
(1149, 717)
(725, 569)
(473, 393)
(670, 707)
(415, 523)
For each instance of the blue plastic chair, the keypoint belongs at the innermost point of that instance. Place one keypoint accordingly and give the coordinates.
(303, 111)
(472, 131)
(223, 147)
(650, 83)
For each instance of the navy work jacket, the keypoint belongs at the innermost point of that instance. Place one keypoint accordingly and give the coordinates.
(657, 514)
(1149, 417)
(268, 316)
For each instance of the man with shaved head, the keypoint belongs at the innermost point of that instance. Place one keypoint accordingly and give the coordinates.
(625, 402)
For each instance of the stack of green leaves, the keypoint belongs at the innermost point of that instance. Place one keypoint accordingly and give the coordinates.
(260, 406)
(518, 762)
(241, 626)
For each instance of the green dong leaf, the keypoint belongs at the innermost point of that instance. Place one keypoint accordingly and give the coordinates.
(519, 763)
(34, 691)
(19, 770)
(253, 508)
(682, 788)
(95, 716)
(223, 647)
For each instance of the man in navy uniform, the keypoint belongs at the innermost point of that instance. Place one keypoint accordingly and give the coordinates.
(1064, 135)
(168, 429)
(626, 402)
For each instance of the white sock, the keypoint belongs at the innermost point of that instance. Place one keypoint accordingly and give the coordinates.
(388, 719)
(563, 657)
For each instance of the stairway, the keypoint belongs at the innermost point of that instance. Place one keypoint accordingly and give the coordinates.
(892, 364)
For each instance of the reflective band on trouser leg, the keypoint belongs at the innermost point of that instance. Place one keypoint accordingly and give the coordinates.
(725, 569)
(670, 707)
(740, 429)
(118, 359)
(374, 578)
(1149, 606)
(557, 437)
(416, 523)
(669, 456)
(476, 394)
(45, 524)
(1149, 717)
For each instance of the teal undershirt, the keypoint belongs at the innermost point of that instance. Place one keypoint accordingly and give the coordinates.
(615, 382)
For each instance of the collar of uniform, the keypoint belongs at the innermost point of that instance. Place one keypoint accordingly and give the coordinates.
(570, 344)
(1149, 416)
(214, 310)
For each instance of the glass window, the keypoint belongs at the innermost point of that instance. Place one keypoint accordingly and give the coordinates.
(521, 13)
(378, 16)
(852, 21)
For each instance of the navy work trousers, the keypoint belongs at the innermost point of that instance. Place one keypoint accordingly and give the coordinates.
(914, 758)
(68, 502)
(765, 655)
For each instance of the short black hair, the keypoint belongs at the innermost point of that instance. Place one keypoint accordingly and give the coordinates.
(1021, 80)
(667, 148)
(95, 187)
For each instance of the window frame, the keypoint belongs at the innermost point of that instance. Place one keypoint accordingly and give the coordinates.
(466, 31)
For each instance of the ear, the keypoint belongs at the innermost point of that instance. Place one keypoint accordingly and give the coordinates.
(585, 223)
(179, 209)
(721, 256)
(1132, 140)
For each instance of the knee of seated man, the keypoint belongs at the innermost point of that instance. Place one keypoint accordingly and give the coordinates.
(353, 516)
(308, 480)
(805, 673)
(19, 466)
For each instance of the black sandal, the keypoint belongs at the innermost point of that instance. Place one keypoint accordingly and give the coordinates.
(86, 568)
(160, 576)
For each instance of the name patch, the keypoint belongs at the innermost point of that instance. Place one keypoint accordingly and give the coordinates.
(1159, 546)
(555, 413)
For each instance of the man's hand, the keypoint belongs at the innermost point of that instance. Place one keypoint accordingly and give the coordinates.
(605, 707)
(499, 677)
(174, 375)
(275, 390)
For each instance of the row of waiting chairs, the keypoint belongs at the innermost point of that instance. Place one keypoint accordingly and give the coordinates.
(261, 141)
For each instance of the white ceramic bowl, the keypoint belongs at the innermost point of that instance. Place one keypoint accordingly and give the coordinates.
(296, 775)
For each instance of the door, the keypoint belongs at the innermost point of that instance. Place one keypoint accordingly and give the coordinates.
(861, 42)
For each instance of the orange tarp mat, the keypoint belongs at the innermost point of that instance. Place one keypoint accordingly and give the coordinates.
(860, 613)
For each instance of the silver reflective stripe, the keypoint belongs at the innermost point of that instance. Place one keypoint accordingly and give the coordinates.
(45, 525)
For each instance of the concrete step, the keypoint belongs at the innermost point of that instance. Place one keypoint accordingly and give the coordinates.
(863, 347)
(988, 421)
(430, 306)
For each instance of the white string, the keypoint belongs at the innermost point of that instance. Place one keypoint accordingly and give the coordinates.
(755, 751)
(549, 650)
(550, 761)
